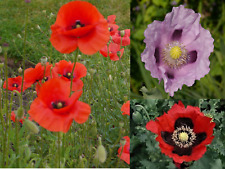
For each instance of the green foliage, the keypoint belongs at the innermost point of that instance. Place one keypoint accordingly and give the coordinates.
(212, 12)
(145, 149)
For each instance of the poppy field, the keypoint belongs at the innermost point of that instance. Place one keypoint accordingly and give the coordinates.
(64, 84)
(177, 134)
(185, 40)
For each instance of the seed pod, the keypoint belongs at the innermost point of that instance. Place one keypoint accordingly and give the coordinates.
(20, 113)
(31, 126)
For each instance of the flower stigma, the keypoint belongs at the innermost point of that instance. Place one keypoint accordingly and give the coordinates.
(183, 136)
(175, 52)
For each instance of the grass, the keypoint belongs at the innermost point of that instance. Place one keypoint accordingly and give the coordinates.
(106, 89)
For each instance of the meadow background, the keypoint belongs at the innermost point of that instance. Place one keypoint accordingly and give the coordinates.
(106, 89)
(145, 149)
(144, 12)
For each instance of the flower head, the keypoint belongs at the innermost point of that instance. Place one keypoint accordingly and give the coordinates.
(79, 25)
(125, 154)
(113, 51)
(122, 39)
(64, 68)
(177, 49)
(183, 133)
(15, 83)
(126, 108)
(54, 108)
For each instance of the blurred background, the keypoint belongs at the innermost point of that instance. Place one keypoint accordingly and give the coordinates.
(143, 13)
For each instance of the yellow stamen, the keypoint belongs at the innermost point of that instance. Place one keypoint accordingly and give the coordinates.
(183, 136)
(175, 52)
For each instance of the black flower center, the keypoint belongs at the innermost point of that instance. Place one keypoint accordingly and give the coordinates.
(68, 75)
(183, 138)
(77, 24)
(58, 104)
(15, 85)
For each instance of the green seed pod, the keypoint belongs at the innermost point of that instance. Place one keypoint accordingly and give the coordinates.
(101, 154)
(122, 33)
(20, 113)
(31, 126)
(137, 118)
(1, 65)
(27, 152)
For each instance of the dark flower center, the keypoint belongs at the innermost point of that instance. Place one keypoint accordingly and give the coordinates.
(68, 75)
(77, 24)
(183, 138)
(15, 85)
(45, 78)
(58, 104)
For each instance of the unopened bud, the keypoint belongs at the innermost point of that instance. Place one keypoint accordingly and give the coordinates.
(20, 70)
(51, 15)
(31, 126)
(19, 36)
(92, 71)
(110, 77)
(0, 49)
(38, 27)
(122, 33)
(121, 124)
(44, 60)
(1, 65)
(34, 92)
(20, 113)
(123, 142)
(79, 56)
(101, 154)
(1, 83)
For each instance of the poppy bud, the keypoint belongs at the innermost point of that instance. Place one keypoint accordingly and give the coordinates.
(19, 36)
(0, 49)
(137, 118)
(1, 83)
(101, 154)
(122, 141)
(27, 152)
(122, 33)
(1, 65)
(44, 60)
(79, 56)
(20, 113)
(38, 27)
(110, 77)
(20, 70)
(31, 126)
(121, 124)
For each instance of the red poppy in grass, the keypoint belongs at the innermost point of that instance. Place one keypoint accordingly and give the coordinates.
(114, 51)
(64, 68)
(125, 154)
(15, 84)
(54, 108)
(48, 74)
(126, 108)
(183, 133)
(33, 75)
(79, 24)
(13, 117)
(122, 35)
(113, 28)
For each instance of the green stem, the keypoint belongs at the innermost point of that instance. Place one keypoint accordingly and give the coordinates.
(75, 60)
(59, 140)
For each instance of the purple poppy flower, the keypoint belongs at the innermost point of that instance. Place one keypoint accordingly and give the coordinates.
(177, 49)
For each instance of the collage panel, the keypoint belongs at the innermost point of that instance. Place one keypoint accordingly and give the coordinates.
(177, 49)
(64, 84)
(177, 134)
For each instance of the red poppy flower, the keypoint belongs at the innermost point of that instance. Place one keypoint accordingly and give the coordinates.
(113, 52)
(125, 155)
(64, 68)
(183, 132)
(48, 74)
(13, 118)
(15, 84)
(54, 110)
(126, 108)
(111, 19)
(79, 24)
(33, 75)
(125, 38)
